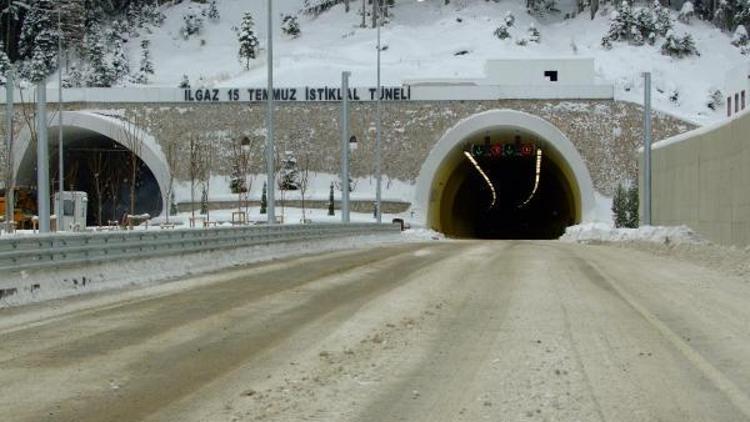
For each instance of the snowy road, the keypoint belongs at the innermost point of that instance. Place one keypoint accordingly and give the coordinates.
(442, 331)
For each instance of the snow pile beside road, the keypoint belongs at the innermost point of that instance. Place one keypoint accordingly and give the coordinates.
(599, 232)
(415, 235)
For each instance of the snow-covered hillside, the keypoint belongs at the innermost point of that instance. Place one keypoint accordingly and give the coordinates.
(422, 38)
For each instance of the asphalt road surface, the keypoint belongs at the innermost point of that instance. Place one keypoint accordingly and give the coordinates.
(441, 331)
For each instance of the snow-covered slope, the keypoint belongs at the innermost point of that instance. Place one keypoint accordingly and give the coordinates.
(422, 38)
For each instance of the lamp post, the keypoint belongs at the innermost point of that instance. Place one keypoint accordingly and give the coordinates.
(9, 194)
(378, 130)
(647, 149)
(60, 176)
(270, 150)
(345, 147)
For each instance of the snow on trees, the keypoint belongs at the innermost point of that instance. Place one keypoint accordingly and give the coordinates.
(247, 39)
(290, 26)
(102, 73)
(687, 12)
(715, 99)
(147, 67)
(36, 69)
(185, 82)
(534, 35)
(679, 47)
(74, 78)
(120, 63)
(502, 32)
(38, 40)
(541, 7)
(212, 12)
(637, 26)
(510, 20)
(192, 23)
(289, 179)
(4, 64)
(740, 38)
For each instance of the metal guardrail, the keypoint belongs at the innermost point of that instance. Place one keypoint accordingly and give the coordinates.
(62, 250)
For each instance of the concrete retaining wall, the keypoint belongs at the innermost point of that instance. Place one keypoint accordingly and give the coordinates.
(702, 179)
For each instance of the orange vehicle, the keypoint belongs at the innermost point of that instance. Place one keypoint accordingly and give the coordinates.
(25, 207)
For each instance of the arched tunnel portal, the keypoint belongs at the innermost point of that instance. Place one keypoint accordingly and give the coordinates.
(504, 174)
(97, 153)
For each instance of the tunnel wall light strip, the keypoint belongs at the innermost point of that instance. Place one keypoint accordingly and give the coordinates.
(536, 179)
(484, 175)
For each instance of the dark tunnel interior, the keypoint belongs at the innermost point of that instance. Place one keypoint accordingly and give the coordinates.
(519, 211)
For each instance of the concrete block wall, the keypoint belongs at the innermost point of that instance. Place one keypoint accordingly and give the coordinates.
(701, 179)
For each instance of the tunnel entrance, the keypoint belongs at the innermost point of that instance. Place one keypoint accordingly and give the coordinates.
(505, 197)
(504, 174)
(98, 162)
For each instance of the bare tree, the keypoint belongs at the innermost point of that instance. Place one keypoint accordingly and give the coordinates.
(304, 176)
(98, 167)
(170, 152)
(241, 182)
(132, 135)
(207, 158)
(195, 167)
(113, 186)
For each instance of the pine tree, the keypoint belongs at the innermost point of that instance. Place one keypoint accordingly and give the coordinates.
(632, 216)
(213, 12)
(204, 200)
(679, 47)
(4, 65)
(36, 69)
(330, 201)
(248, 40)
(502, 32)
(510, 20)
(264, 199)
(147, 67)
(740, 38)
(185, 83)
(102, 74)
(120, 63)
(620, 206)
(39, 39)
(663, 19)
(172, 205)
(290, 26)
(192, 24)
(686, 12)
(289, 179)
(74, 78)
(715, 99)
(534, 35)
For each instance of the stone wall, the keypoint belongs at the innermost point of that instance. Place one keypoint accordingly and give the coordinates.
(606, 133)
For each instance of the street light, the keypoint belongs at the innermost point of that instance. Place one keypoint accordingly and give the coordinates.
(61, 185)
(270, 150)
(378, 128)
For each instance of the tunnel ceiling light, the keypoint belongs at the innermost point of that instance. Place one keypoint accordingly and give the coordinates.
(536, 179)
(484, 175)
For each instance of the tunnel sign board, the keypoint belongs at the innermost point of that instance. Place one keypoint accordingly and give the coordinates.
(503, 150)
(302, 94)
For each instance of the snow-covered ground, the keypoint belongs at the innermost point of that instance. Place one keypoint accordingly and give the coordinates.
(318, 189)
(422, 38)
